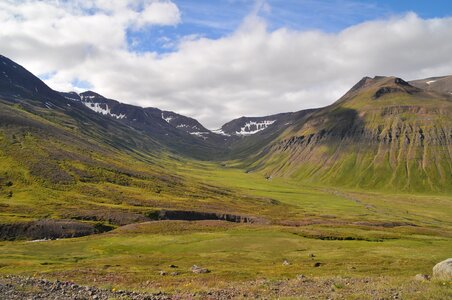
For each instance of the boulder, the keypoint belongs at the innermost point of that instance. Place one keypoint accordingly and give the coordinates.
(443, 270)
(198, 270)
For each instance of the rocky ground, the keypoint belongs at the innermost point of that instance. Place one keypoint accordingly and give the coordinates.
(16, 287)
(21, 288)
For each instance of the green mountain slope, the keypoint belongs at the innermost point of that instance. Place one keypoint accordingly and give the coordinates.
(61, 160)
(383, 134)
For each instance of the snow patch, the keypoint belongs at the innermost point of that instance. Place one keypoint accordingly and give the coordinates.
(87, 97)
(220, 131)
(72, 99)
(430, 82)
(200, 134)
(167, 119)
(97, 107)
(252, 127)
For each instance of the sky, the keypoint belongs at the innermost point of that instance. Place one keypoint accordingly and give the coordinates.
(219, 60)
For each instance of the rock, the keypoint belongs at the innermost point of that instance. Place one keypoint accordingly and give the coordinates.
(301, 277)
(286, 262)
(443, 270)
(312, 255)
(172, 266)
(422, 277)
(317, 264)
(198, 270)
(174, 273)
(162, 273)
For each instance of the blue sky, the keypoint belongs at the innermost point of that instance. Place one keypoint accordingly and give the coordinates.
(217, 18)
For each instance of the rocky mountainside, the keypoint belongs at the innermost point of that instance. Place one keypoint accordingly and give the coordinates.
(246, 126)
(103, 118)
(166, 124)
(383, 133)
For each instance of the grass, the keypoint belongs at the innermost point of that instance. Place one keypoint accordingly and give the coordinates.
(353, 232)
(135, 254)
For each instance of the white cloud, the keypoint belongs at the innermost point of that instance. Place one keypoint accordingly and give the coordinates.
(162, 13)
(253, 71)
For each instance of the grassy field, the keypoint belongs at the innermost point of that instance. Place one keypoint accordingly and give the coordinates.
(133, 256)
(351, 233)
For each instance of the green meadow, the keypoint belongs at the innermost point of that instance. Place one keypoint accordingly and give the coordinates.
(351, 233)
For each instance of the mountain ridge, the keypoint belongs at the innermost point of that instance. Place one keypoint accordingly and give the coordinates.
(384, 132)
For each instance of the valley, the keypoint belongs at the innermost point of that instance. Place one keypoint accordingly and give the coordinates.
(330, 202)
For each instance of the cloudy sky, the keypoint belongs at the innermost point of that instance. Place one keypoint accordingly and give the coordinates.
(218, 60)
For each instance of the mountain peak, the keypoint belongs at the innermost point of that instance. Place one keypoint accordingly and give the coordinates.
(17, 83)
(379, 86)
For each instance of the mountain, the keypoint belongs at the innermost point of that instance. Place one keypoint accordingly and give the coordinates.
(249, 135)
(83, 157)
(384, 133)
(246, 126)
(442, 84)
(187, 137)
(183, 133)
(16, 83)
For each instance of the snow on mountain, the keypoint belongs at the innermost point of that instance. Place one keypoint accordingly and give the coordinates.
(186, 124)
(220, 131)
(167, 119)
(252, 127)
(200, 134)
(103, 108)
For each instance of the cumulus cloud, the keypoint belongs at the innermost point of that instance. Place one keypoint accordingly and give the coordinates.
(162, 13)
(252, 71)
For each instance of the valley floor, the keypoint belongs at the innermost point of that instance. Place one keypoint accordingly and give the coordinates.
(312, 242)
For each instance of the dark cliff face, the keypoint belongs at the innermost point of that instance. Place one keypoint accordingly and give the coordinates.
(49, 229)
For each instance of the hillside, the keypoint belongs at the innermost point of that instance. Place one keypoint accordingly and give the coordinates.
(60, 159)
(91, 112)
(382, 134)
